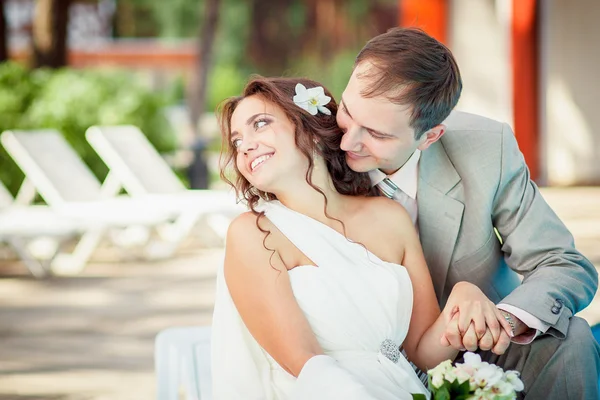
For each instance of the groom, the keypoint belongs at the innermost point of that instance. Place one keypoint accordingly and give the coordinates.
(464, 182)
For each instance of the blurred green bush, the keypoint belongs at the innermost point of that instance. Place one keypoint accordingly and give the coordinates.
(71, 101)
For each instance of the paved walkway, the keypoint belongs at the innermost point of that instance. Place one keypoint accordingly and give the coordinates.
(91, 337)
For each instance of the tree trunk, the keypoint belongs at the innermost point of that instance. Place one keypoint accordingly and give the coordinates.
(51, 19)
(206, 42)
(271, 44)
(3, 34)
(198, 170)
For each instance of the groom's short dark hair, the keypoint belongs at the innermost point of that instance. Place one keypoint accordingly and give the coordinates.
(413, 68)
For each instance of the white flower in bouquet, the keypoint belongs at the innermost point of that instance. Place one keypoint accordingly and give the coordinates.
(472, 380)
(512, 377)
(487, 375)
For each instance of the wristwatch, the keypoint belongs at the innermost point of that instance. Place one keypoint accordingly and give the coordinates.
(509, 318)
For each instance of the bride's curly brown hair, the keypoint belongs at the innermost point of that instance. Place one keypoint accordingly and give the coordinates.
(318, 134)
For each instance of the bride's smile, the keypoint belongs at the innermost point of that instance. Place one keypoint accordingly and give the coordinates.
(259, 161)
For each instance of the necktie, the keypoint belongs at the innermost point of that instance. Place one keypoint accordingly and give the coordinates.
(387, 187)
(391, 190)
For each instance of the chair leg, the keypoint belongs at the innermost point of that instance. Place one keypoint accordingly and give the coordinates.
(190, 380)
(75, 262)
(178, 230)
(182, 359)
(202, 369)
(38, 268)
(166, 364)
(170, 236)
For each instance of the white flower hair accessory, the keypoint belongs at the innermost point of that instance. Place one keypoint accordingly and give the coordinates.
(312, 100)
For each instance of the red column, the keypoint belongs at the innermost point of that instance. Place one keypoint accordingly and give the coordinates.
(429, 15)
(525, 80)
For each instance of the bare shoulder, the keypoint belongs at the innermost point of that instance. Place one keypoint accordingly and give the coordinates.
(246, 245)
(385, 212)
(380, 217)
(247, 228)
(242, 226)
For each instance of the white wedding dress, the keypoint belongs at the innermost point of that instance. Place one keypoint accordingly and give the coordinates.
(359, 308)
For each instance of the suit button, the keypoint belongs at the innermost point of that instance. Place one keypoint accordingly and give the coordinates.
(555, 310)
(558, 303)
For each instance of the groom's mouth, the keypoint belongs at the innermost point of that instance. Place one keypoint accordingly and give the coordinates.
(354, 156)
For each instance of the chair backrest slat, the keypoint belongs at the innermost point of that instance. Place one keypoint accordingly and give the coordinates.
(130, 155)
(6, 199)
(52, 165)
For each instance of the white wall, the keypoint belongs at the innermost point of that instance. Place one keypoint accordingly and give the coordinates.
(479, 36)
(570, 89)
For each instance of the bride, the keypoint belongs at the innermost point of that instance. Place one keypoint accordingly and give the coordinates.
(322, 284)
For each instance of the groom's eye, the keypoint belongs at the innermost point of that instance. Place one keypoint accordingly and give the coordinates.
(376, 136)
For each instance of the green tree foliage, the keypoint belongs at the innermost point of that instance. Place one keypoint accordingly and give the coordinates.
(315, 38)
(73, 100)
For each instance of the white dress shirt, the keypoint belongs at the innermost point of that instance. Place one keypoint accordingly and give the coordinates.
(407, 178)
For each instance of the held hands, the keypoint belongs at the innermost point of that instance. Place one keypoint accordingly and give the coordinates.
(473, 321)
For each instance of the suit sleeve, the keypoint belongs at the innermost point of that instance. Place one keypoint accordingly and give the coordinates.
(558, 280)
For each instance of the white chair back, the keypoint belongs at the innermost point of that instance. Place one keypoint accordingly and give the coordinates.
(182, 360)
(6, 198)
(132, 158)
(52, 165)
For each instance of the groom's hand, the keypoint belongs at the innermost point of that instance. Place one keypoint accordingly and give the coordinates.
(496, 345)
(473, 321)
(471, 342)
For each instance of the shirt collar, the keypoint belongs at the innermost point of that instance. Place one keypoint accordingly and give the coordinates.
(405, 178)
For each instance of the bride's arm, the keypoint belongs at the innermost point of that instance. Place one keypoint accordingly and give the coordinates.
(423, 344)
(427, 325)
(260, 287)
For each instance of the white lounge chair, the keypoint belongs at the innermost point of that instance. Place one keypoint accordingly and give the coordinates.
(54, 170)
(6, 198)
(35, 233)
(135, 165)
(182, 361)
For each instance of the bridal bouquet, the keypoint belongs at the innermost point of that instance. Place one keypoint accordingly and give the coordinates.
(472, 380)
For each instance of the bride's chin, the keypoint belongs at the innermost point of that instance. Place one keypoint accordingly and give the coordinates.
(261, 186)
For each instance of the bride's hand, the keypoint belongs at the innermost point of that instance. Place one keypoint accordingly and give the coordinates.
(469, 340)
(473, 321)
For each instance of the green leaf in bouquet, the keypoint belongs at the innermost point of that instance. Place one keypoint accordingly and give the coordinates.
(442, 393)
(419, 396)
(466, 396)
(460, 388)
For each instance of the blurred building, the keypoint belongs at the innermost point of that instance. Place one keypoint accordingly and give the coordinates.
(91, 41)
(532, 64)
(89, 22)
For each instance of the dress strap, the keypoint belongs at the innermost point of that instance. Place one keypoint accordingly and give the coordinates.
(319, 242)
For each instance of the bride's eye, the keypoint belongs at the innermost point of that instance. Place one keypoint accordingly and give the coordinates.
(259, 123)
(236, 143)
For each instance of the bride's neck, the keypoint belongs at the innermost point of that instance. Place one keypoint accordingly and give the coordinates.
(308, 201)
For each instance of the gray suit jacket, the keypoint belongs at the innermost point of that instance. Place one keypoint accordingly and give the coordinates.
(474, 180)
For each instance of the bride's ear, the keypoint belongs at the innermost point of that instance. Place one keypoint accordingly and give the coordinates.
(431, 136)
(318, 147)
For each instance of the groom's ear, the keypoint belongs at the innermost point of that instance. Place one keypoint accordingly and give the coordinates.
(431, 136)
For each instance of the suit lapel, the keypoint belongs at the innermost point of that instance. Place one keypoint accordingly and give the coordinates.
(440, 214)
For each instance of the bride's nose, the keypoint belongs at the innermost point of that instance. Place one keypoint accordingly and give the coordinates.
(248, 145)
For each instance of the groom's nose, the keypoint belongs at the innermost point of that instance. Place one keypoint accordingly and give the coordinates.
(351, 139)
